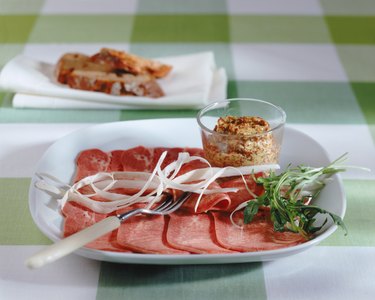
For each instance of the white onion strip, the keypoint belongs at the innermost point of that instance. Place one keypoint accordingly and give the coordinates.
(239, 207)
(149, 186)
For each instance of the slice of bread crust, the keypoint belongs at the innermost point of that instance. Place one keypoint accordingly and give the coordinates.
(120, 60)
(112, 72)
(119, 85)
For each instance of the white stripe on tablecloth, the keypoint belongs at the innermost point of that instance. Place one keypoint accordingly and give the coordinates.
(322, 273)
(338, 139)
(287, 62)
(23, 146)
(72, 277)
(348, 7)
(86, 7)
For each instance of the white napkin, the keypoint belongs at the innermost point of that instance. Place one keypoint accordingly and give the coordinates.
(193, 82)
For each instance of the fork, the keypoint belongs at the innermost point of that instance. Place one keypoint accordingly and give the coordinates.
(81, 238)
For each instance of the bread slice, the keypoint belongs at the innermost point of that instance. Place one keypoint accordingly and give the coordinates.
(113, 84)
(76, 61)
(120, 60)
(112, 72)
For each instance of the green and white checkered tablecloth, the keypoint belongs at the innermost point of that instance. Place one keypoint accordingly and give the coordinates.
(316, 59)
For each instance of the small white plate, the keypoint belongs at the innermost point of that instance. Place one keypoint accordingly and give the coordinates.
(59, 161)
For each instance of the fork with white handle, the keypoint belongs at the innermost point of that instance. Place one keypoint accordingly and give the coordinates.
(81, 238)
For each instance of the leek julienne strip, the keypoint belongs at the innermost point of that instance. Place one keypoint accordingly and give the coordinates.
(150, 185)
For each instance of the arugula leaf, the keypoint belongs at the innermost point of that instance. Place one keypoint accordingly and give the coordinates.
(286, 195)
(250, 211)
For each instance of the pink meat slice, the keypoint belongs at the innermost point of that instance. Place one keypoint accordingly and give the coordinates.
(193, 165)
(172, 155)
(116, 161)
(145, 234)
(90, 162)
(217, 201)
(193, 233)
(255, 236)
(242, 194)
(78, 218)
(138, 159)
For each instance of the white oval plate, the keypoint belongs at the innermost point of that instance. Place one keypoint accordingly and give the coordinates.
(59, 161)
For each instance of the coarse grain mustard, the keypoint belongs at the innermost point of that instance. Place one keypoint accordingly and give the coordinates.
(241, 141)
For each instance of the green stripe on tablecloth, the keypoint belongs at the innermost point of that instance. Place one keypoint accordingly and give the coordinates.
(17, 226)
(20, 6)
(365, 92)
(25, 115)
(16, 28)
(180, 28)
(308, 102)
(348, 7)
(181, 6)
(278, 29)
(233, 281)
(352, 29)
(2, 100)
(358, 61)
(232, 90)
(359, 218)
(8, 51)
(82, 29)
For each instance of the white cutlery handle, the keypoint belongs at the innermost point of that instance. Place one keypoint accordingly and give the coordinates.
(73, 242)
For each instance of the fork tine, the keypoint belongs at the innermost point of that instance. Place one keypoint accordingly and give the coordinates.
(167, 201)
(166, 207)
(177, 204)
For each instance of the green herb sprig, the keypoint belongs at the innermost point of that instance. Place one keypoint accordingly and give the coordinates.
(288, 196)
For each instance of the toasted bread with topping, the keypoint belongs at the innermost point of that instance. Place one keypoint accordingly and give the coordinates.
(112, 72)
(119, 85)
(120, 60)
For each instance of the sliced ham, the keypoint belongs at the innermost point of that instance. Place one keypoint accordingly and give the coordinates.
(78, 218)
(171, 156)
(242, 194)
(116, 163)
(145, 234)
(193, 233)
(193, 165)
(217, 201)
(90, 162)
(138, 159)
(258, 235)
